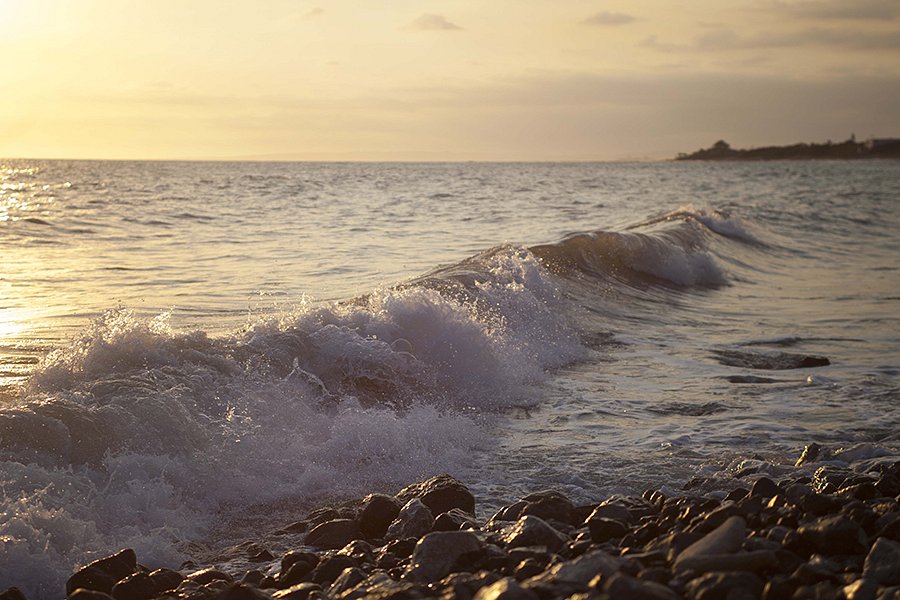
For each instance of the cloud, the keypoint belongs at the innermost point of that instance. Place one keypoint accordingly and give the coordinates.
(609, 19)
(845, 10)
(724, 39)
(315, 12)
(431, 22)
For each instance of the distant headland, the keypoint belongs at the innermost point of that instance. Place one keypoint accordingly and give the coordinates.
(849, 149)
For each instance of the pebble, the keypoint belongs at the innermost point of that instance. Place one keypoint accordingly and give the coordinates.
(883, 562)
(437, 552)
(336, 533)
(413, 521)
(533, 531)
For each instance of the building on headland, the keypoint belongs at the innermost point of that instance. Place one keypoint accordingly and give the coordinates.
(849, 149)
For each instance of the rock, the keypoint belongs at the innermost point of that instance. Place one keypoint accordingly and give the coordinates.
(440, 494)
(624, 586)
(453, 520)
(725, 539)
(330, 568)
(12, 593)
(332, 534)
(360, 550)
(137, 586)
(730, 586)
(505, 589)
(810, 453)
(861, 589)
(348, 579)
(242, 591)
(301, 591)
(549, 504)
(166, 579)
(414, 520)
(377, 513)
(758, 560)
(834, 535)
(533, 531)
(436, 553)
(85, 594)
(204, 576)
(616, 512)
(101, 575)
(765, 488)
(603, 530)
(583, 569)
(295, 556)
(883, 562)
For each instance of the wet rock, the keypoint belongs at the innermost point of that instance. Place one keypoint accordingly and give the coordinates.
(765, 488)
(725, 539)
(204, 576)
(301, 591)
(359, 550)
(453, 520)
(414, 520)
(883, 562)
(583, 569)
(834, 535)
(549, 504)
(330, 568)
(378, 511)
(810, 454)
(137, 586)
(505, 589)
(348, 579)
(616, 512)
(603, 530)
(440, 494)
(332, 534)
(242, 591)
(101, 575)
(861, 589)
(12, 593)
(771, 361)
(297, 556)
(85, 594)
(530, 530)
(166, 579)
(436, 553)
(624, 586)
(730, 586)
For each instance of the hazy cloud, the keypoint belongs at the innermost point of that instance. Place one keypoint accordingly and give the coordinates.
(430, 22)
(845, 9)
(726, 39)
(315, 12)
(609, 19)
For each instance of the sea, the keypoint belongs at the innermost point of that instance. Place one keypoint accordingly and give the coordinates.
(193, 354)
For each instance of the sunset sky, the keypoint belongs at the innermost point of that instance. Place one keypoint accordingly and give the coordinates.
(440, 80)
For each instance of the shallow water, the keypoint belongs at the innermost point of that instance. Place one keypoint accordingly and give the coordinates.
(189, 344)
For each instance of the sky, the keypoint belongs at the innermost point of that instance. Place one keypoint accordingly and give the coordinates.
(513, 80)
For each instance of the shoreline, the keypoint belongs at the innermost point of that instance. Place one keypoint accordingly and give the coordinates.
(835, 534)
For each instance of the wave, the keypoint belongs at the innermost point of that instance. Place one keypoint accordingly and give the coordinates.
(138, 435)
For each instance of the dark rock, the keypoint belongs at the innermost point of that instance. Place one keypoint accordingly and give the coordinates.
(329, 569)
(137, 586)
(603, 530)
(549, 504)
(823, 590)
(413, 521)
(765, 488)
(722, 586)
(772, 361)
(820, 505)
(835, 535)
(12, 593)
(294, 556)
(348, 579)
(321, 515)
(505, 589)
(402, 548)
(242, 591)
(332, 534)
(436, 553)
(253, 577)
(453, 520)
(166, 579)
(725, 539)
(101, 575)
(810, 454)
(530, 530)
(624, 586)
(204, 576)
(616, 512)
(883, 562)
(527, 568)
(865, 490)
(360, 550)
(861, 589)
(301, 591)
(580, 571)
(377, 513)
(86, 594)
(440, 494)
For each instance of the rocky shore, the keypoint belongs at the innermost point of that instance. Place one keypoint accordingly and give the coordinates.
(832, 535)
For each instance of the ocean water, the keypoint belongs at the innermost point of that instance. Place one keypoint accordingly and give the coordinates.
(196, 353)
